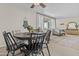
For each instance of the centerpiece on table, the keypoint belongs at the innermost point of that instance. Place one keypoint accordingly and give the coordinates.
(29, 27)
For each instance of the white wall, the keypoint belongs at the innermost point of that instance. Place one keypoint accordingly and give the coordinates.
(59, 22)
(40, 21)
(11, 18)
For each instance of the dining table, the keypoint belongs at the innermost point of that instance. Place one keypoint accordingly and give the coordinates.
(27, 35)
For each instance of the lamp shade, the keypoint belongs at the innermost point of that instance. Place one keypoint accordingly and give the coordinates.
(25, 24)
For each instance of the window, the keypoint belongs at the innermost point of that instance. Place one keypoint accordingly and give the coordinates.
(46, 25)
(72, 25)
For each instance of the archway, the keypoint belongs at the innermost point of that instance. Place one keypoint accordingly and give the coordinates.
(72, 25)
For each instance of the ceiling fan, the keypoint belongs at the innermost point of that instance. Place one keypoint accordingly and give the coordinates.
(38, 4)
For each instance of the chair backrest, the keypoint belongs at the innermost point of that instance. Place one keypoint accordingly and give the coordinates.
(47, 36)
(5, 38)
(10, 42)
(37, 40)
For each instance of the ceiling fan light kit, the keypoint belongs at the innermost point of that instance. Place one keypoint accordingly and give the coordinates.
(38, 4)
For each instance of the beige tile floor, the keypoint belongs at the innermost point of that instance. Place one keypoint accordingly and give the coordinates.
(67, 45)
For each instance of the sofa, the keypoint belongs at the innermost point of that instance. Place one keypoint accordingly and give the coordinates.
(58, 32)
(72, 31)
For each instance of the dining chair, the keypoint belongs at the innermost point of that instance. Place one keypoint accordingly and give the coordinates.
(35, 47)
(47, 40)
(48, 34)
(11, 44)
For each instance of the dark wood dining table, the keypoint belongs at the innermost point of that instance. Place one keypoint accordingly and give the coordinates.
(27, 35)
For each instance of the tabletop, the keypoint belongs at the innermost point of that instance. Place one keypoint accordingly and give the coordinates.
(26, 36)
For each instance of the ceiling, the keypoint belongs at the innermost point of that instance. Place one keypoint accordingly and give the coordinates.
(62, 10)
(58, 10)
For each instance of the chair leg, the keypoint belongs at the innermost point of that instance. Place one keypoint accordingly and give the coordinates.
(48, 50)
(42, 53)
(8, 53)
(13, 52)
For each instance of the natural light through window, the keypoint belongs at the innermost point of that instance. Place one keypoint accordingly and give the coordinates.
(45, 25)
(72, 26)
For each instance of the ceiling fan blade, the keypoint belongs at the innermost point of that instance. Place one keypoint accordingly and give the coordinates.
(42, 5)
(32, 6)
